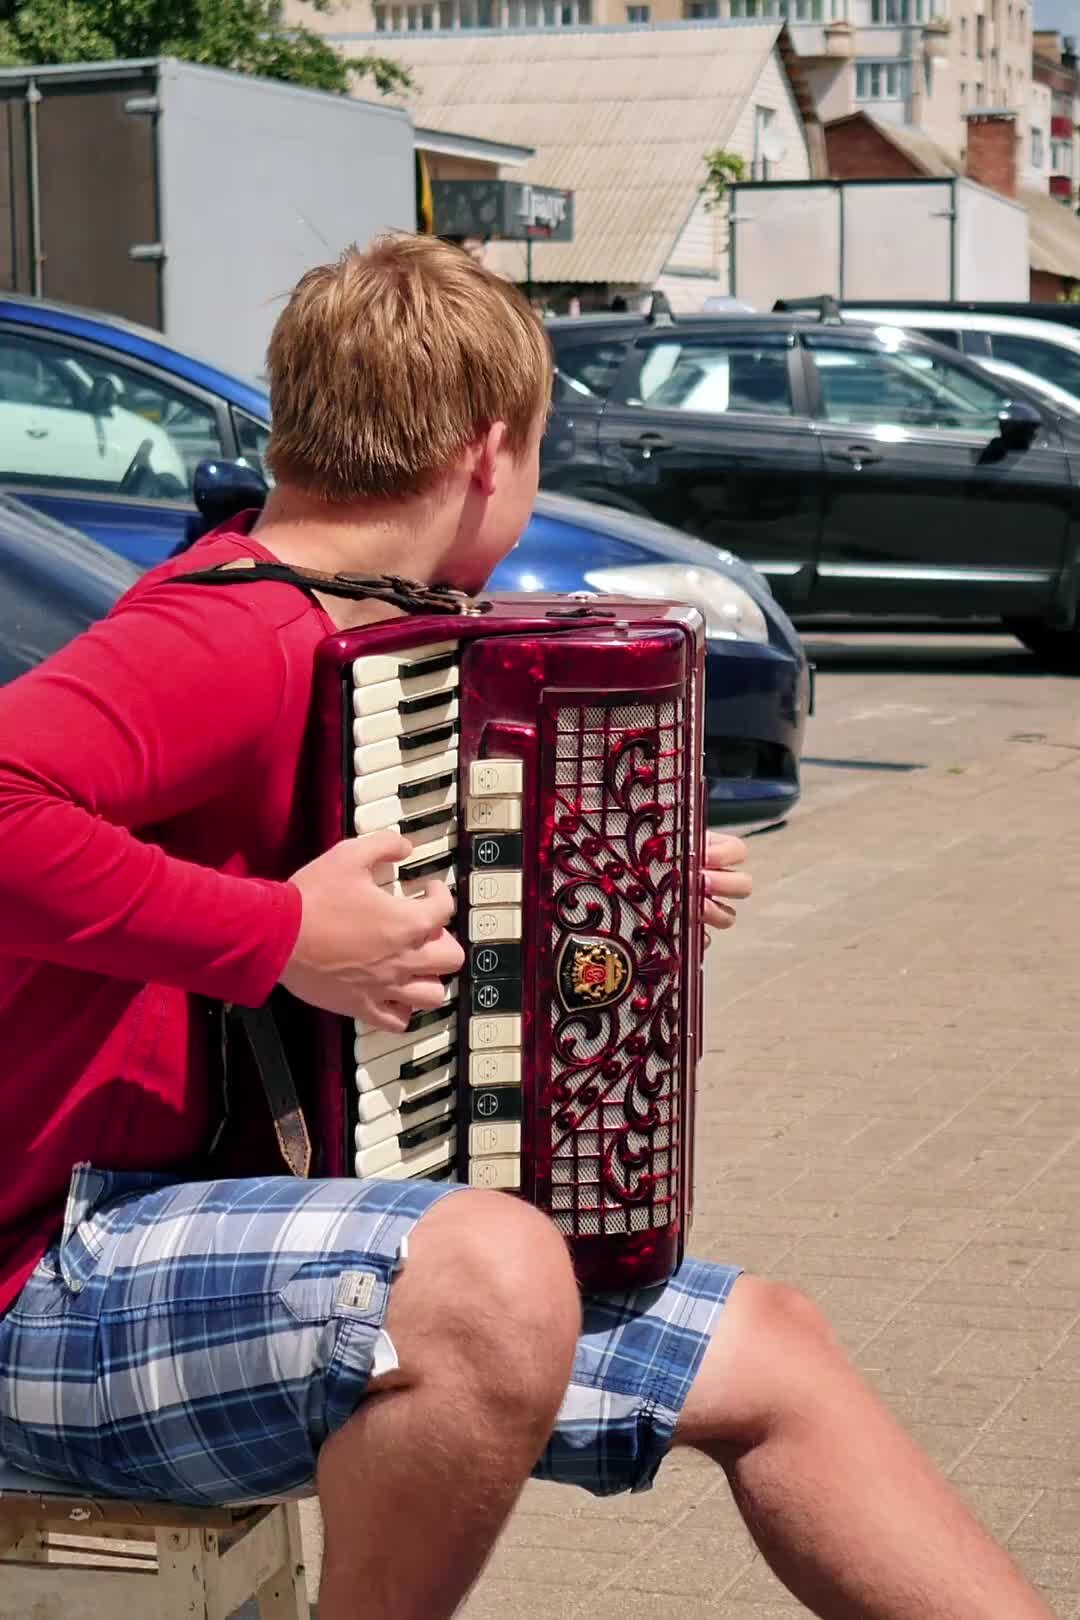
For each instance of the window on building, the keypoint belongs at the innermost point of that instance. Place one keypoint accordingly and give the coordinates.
(1061, 157)
(1038, 148)
(700, 10)
(761, 167)
(980, 35)
(638, 14)
(898, 11)
(881, 81)
(435, 15)
(964, 34)
(542, 13)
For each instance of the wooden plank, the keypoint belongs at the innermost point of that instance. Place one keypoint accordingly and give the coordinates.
(285, 1595)
(66, 1593)
(250, 1562)
(185, 1558)
(93, 1509)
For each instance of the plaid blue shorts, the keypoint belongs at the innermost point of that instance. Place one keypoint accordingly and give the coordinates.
(199, 1342)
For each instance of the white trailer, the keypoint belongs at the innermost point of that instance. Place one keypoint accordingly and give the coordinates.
(186, 198)
(885, 240)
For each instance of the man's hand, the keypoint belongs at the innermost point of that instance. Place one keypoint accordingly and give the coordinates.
(362, 951)
(723, 884)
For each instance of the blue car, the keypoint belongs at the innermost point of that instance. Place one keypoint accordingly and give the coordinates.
(102, 428)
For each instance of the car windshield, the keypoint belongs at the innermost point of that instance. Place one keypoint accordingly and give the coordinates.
(1046, 361)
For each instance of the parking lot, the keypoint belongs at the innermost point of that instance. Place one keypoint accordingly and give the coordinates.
(890, 1119)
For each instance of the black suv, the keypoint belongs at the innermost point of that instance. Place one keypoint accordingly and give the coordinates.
(863, 470)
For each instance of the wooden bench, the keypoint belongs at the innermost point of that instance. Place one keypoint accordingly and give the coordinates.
(71, 1557)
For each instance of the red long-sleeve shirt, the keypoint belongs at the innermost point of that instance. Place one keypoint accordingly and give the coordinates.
(149, 815)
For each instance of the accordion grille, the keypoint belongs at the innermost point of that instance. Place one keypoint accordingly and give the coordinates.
(616, 938)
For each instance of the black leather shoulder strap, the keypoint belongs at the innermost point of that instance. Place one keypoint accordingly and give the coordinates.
(405, 594)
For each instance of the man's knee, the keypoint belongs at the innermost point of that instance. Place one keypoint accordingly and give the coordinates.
(489, 1288)
(771, 1351)
(783, 1317)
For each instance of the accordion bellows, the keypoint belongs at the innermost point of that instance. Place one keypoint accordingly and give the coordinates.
(544, 758)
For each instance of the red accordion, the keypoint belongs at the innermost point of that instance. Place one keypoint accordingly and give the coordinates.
(544, 758)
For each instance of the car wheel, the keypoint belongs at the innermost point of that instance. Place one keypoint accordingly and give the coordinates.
(1057, 649)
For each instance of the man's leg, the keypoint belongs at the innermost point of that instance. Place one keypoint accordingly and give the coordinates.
(404, 1345)
(417, 1485)
(848, 1512)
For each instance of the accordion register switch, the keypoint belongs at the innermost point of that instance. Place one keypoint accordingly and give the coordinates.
(493, 823)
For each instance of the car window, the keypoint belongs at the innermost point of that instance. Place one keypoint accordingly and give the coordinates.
(717, 377)
(905, 388)
(587, 371)
(938, 334)
(1050, 361)
(73, 419)
(252, 439)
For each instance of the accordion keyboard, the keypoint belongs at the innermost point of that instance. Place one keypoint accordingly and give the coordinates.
(405, 776)
(405, 771)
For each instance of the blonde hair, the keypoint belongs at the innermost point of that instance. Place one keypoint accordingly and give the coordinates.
(385, 365)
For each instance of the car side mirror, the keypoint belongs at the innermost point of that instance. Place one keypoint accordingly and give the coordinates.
(222, 489)
(103, 396)
(1018, 423)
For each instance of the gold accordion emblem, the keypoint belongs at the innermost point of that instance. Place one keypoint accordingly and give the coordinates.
(592, 973)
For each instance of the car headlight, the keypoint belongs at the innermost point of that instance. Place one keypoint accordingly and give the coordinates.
(730, 612)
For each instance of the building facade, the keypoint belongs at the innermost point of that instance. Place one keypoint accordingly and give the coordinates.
(919, 62)
(624, 118)
(1055, 139)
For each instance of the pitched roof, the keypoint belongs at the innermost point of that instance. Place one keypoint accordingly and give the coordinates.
(623, 117)
(1053, 229)
(1053, 234)
(917, 145)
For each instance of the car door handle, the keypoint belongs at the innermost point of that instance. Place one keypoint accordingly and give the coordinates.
(857, 454)
(37, 433)
(647, 441)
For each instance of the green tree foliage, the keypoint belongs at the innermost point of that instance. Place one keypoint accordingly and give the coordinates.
(249, 36)
(722, 169)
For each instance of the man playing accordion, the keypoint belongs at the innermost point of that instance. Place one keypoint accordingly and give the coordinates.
(182, 1320)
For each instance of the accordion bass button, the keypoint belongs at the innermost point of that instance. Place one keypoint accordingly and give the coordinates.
(495, 889)
(487, 1141)
(502, 1173)
(496, 777)
(501, 922)
(492, 815)
(500, 1068)
(501, 1031)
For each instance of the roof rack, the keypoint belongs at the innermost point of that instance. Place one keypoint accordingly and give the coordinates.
(660, 312)
(825, 306)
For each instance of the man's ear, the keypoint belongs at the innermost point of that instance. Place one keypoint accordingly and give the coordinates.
(488, 449)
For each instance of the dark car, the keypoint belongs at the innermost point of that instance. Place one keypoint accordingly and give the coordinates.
(863, 470)
(53, 584)
(75, 386)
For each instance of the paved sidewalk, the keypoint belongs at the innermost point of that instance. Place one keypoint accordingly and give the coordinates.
(891, 1119)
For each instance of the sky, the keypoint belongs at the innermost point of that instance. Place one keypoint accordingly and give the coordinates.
(1061, 14)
